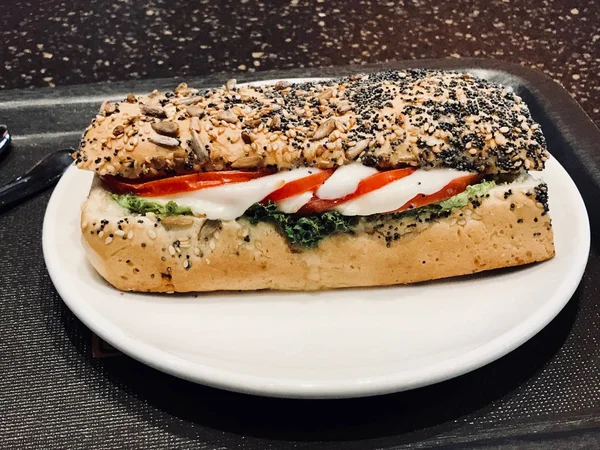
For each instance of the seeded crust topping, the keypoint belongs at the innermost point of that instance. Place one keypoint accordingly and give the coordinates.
(386, 120)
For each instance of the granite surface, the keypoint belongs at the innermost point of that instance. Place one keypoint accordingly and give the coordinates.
(57, 42)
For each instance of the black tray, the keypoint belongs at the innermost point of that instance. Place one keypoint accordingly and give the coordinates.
(53, 394)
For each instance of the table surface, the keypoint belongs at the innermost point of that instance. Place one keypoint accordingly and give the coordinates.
(131, 406)
(77, 42)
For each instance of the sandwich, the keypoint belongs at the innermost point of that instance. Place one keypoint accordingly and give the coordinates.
(379, 179)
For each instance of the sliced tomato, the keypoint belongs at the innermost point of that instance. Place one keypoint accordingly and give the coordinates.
(178, 184)
(299, 186)
(369, 184)
(453, 188)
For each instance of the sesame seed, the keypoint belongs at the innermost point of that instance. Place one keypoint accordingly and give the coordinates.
(171, 250)
(152, 234)
(130, 235)
(108, 240)
(500, 139)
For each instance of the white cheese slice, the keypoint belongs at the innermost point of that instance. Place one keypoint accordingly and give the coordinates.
(394, 195)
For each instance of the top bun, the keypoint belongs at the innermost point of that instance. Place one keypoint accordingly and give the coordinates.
(386, 119)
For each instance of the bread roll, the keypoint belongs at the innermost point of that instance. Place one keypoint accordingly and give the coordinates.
(420, 119)
(509, 227)
(386, 120)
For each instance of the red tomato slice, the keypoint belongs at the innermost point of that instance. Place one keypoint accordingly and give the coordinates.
(369, 184)
(178, 184)
(299, 186)
(453, 188)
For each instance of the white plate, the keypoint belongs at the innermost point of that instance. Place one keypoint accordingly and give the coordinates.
(344, 343)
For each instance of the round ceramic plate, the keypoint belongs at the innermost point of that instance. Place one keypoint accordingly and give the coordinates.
(343, 343)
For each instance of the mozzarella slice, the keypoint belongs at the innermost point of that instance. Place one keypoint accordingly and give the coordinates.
(293, 204)
(344, 181)
(394, 195)
(230, 201)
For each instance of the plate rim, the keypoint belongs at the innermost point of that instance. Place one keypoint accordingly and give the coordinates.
(250, 384)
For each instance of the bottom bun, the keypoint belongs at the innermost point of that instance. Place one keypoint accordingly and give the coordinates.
(185, 253)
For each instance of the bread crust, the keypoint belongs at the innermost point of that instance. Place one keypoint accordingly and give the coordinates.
(386, 119)
(184, 253)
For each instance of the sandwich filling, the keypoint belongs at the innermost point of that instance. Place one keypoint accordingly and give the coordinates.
(309, 204)
(352, 190)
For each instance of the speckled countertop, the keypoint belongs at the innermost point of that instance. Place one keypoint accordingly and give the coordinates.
(57, 42)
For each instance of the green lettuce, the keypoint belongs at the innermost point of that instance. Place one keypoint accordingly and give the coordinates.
(472, 192)
(304, 231)
(139, 205)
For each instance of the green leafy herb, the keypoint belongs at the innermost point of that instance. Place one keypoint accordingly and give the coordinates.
(302, 231)
(139, 205)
